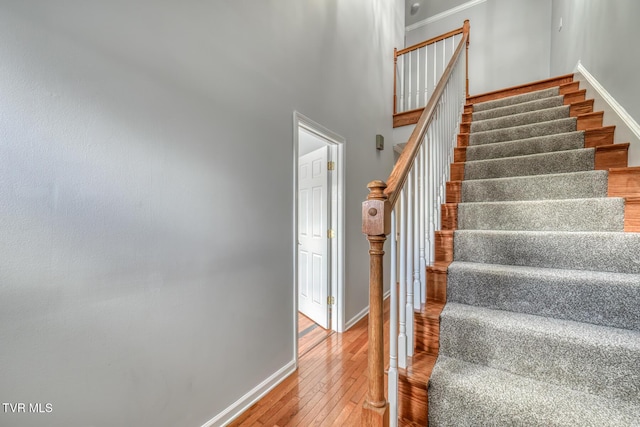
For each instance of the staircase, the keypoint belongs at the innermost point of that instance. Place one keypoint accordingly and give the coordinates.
(538, 261)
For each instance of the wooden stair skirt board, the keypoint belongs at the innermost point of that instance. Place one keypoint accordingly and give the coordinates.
(413, 403)
(454, 192)
(449, 216)
(412, 382)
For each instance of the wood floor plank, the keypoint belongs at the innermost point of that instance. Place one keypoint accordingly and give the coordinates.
(310, 334)
(328, 389)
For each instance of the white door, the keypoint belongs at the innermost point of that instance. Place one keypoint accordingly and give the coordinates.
(313, 248)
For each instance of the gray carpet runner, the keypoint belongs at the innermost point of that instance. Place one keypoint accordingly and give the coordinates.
(542, 321)
(535, 145)
(538, 104)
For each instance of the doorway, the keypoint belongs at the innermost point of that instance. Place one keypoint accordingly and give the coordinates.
(318, 231)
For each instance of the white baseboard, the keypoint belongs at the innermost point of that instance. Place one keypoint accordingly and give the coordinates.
(242, 404)
(627, 128)
(355, 319)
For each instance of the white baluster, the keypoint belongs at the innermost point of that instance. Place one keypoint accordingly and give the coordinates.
(435, 65)
(400, 74)
(417, 295)
(409, 272)
(432, 193)
(418, 78)
(409, 82)
(393, 330)
(423, 237)
(426, 75)
(402, 279)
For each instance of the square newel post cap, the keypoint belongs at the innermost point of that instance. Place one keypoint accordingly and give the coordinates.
(376, 211)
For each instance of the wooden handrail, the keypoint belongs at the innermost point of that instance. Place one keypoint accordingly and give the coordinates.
(401, 169)
(431, 41)
(376, 224)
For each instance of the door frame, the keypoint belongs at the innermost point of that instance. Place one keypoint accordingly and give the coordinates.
(335, 221)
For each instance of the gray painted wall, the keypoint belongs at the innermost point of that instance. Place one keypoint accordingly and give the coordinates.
(602, 35)
(146, 183)
(509, 41)
(429, 8)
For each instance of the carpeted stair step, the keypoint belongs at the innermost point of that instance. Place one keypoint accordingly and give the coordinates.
(599, 214)
(601, 298)
(463, 394)
(541, 325)
(527, 118)
(573, 185)
(585, 357)
(597, 251)
(532, 164)
(522, 147)
(523, 132)
(538, 104)
(516, 99)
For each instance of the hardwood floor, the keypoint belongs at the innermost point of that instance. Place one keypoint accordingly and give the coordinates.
(310, 334)
(328, 389)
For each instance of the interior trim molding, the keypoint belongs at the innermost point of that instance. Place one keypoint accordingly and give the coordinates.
(242, 404)
(355, 319)
(606, 96)
(444, 14)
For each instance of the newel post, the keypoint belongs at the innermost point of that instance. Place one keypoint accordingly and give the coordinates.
(376, 224)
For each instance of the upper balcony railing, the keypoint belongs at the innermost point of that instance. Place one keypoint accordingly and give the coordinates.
(418, 70)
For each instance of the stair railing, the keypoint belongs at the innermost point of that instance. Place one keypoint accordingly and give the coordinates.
(418, 68)
(407, 207)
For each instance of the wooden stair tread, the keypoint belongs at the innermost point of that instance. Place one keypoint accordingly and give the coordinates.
(402, 422)
(430, 310)
(418, 369)
(439, 267)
